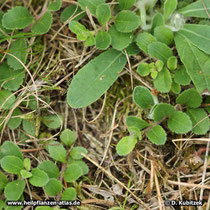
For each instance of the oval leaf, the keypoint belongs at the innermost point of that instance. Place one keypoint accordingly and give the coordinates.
(136, 122)
(157, 135)
(90, 4)
(99, 74)
(53, 187)
(143, 97)
(103, 40)
(179, 123)
(54, 6)
(7, 99)
(164, 34)
(126, 145)
(126, 4)
(57, 152)
(53, 121)
(69, 194)
(68, 137)
(169, 8)
(76, 152)
(103, 13)
(49, 168)
(72, 173)
(39, 178)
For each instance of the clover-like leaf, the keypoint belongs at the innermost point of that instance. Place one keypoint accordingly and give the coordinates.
(143, 97)
(69, 194)
(157, 135)
(43, 25)
(179, 123)
(200, 121)
(76, 152)
(39, 178)
(169, 8)
(103, 13)
(72, 173)
(14, 189)
(12, 164)
(53, 121)
(127, 21)
(55, 6)
(68, 137)
(7, 99)
(143, 40)
(49, 168)
(160, 51)
(53, 187)
(9, 148)
(190, 97)
(119, 40)
(126, 4)
(99, 74)
(103, 40)
(163, 110)
(57, 152)
(181, 76)
(132, 121)
(164, 34)
(90, 4)
(126, 145)
(163, 81)
(17, 18)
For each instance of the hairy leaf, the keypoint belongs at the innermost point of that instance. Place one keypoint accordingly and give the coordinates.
(181, 76)
(68, 137)
(57, 152)
(72, 173)
(53, 121)
(126, 4)
(179, 123)
(55, 6)
(17, 18)
(15, 121)
(29, 126)
(99, 74)
(103, 40)
(76, 152)
(143, 69)
(53, 187)
(200, 121)
(49, 168)
(69, 194)
(25, 174)
(103, 13)
(91, 4)
(157, 20)
(127, 21)
(132, 121)
(126, 145)
(3, 180)
(7, 100)
(80, 164)
(169, 8)
(157, 135)
(164, 34)
(39, 178)
(143, 97)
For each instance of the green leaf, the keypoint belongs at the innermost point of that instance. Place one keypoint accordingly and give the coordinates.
(157, 135)
(91, 4)
(157, 20)
(143, 97)
(163, 110)
(76, 152)
(69, 194)
(29, 127)
(160, 51)
(69, 12)
(164, 34)
(19, 49)
(80, 164)
(103, 13)
(200, 121)
(6, 99)
(103, 40)
(190, 97)
(175, 87)
(39, 178)
(181, 76)
(12, 164)
(179, 123)
(99, 74)
(159, 65)
(43, 25)
(143, 69)
(90, 41)
(79, 29)
(72, 173)
(25, 174)
(68, 137)
(198, 64)
(3, 180)
(196, 9)
(49, 168)
(132, 121)
(119, 40)
(126, 145)
(163, 81)
(57, 152)
(9, 148)
(17, 18)
(53, 187)
(132, 49)
(143, 40)
(172, 63)
(169, 8)
(126, 4)
(15, 121)
(27, 164)
(55, 6)
(14, 190)
(198, 35)
(127, 21)
(53, 121)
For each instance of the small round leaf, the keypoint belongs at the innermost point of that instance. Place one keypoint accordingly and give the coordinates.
(6, 99)
(39, 178)
(103, 40)
(157, 135)
(69, 194)
(103, 13)
(72, 173)
(68, 137)
(49, 168)
(76, 153)
(53, 187)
